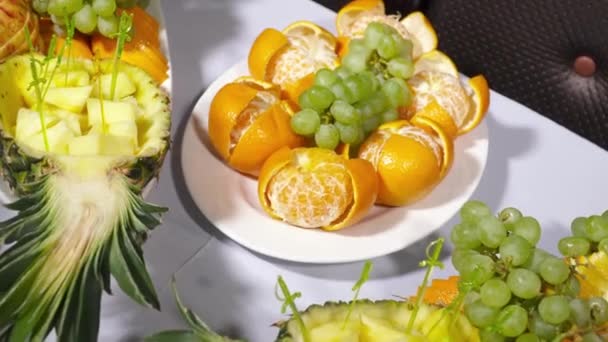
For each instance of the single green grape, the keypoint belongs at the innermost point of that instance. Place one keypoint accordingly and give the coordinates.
(460, 257)
(370, 124)
(599, 310)
(492, 231)
(579, 226)
(378, 102)
(524, 283)
(400, 67)
(480, 314)
(516, 249)
(541, 328)
(473, 210)
(495, 293)
(358, 45)
(40, 6)
(554, 271)
(603, 246)
(538, 256)
(355, 61)
(371, 78)
(349, 134)
(528, 228)
(104, 8)
(405, 47)
(397, 92)
(597, 228)
(580, 312)
(387, 47)
(390, 115)
(85, 19)
(107, 26)
(465, 235)
(316, 97)
(305, 122)
(554, 309)
(512, 321)
(509, 215)
(345, 113)
(489, 335)
(527, 337)
(325, 77)
(63, 8)
(574, 246)
(357, 87)
(478, 269)
(327, 136)
(341, 92)
(374, 32)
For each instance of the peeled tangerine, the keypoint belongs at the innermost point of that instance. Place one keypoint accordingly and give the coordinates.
(290, 58)
(316, 188)
(248, 122)
(410, 159)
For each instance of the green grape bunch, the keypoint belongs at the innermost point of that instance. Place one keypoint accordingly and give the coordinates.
(89, 15)
(347, 104)
(515, 291)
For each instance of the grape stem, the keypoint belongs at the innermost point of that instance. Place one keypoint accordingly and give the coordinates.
(430, 263)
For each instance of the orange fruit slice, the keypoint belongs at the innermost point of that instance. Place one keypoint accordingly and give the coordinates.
(479, 92)
(409, 160)
(352, 20)
(248, 122)
(316, 188)
(435, 60)
(439, 115)
(441, 292)
(290, 57)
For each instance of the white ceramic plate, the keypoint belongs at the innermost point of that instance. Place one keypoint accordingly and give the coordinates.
(229, 200)
(155, 9)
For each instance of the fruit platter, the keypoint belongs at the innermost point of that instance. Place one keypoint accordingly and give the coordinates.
(85, 123)
(367, 138)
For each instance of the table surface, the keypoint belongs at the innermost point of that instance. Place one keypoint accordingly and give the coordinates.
(533, 164)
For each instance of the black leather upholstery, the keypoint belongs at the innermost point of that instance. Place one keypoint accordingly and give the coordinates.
(527, 51)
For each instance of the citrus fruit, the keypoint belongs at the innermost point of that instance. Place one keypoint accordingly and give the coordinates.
(289, 58)
(435, 60)
(316, 188)
(352, 20)
(466, 103)
(248, 122)
(409, 160)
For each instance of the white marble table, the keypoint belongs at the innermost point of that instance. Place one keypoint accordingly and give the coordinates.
(533, 164)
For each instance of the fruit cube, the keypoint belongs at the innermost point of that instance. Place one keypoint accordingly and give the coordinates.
(117, 146)
(73, 120)
(114, 111)
(69, 98)
(58, 137)
(101, 144)
(86, 145)
(126, 129)
(75, 78)
(124, 86)
(28, 123)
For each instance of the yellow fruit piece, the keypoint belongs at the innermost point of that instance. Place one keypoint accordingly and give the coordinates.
(479, 91)
(592, 271)
(409, 160)
(289, 58)
(248, 122)
(435, 112)
(435, 60)
(421, 31)
(351, 12)
(446, 90)
(316, 188)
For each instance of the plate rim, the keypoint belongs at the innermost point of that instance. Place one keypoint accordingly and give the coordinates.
(233, 235)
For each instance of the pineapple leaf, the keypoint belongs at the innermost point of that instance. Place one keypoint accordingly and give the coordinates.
(174, 336)
(191, 318)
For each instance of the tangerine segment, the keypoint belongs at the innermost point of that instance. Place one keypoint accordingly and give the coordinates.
(441, 292)
(438, 114)
(268, 132)
(264, 48)
(225, 108)
(315, 188)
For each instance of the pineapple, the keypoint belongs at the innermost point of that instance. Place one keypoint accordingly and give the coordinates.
(81, 218)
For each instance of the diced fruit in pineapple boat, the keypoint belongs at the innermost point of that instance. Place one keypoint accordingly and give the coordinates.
(69, 98)
(127, 129)
(58, 137)
(124, 86)
(28, 123)
(73, 120)
(101, 144)
(377, 330)
(86, 145)
(76, 78)
(113, 111)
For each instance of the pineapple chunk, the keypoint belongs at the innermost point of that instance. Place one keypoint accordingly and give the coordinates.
(124, 129)
(69, 98)
(73, 120)
(113, 111)
(333, 332)
(75, 78)
(28, 123)
(101, 144)
(377, 330)
(124, 86)
(58, 136)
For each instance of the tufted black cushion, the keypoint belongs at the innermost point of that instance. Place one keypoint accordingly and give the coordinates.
(527, 50)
